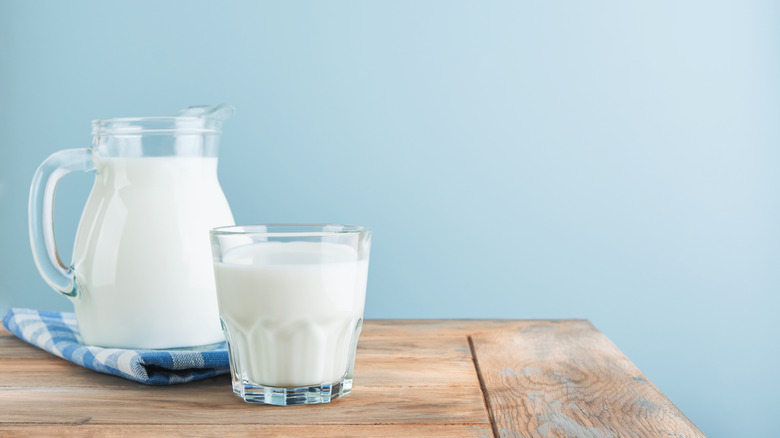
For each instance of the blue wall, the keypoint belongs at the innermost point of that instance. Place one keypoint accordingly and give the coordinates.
(616, 161)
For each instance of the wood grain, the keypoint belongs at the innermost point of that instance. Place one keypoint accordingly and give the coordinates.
(420, 346)
(569, 380)
(417, 378)
(13, 347)
(416, 328)
(369, 372)
(242, 430)
(217, 405)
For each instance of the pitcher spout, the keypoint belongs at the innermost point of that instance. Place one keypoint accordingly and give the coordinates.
(219, 112)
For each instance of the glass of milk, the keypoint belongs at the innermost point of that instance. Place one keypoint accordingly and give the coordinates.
(291, 301)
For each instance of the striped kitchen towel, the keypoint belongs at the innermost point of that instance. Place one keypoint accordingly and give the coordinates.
(57, 333)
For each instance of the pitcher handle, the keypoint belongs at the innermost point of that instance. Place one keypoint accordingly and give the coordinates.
(41, 210)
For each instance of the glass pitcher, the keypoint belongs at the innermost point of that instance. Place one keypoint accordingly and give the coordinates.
(141, 274)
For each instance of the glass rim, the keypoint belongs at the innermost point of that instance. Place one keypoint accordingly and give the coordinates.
(305, 230)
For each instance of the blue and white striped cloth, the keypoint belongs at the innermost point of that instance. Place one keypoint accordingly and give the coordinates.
(57, 333)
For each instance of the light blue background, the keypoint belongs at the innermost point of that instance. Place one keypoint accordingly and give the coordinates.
(615, 161)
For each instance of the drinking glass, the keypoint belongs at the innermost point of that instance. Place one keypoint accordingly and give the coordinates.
(291, 301)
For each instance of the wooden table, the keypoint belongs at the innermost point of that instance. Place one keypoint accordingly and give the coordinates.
(426, 378)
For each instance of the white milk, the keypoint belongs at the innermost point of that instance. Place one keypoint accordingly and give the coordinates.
(142, 255)
(292, 310)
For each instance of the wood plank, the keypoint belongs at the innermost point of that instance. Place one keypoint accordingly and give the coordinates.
(568, 379)
(424, 344)
(421, 346)
(412, 328)
(415, 372)
(15, 348)
(197, 403)
(207, 430)
(369, 372)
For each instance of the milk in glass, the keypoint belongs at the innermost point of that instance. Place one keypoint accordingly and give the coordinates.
(292, 310)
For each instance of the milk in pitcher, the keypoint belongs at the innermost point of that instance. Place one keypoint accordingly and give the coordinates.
(159, 211)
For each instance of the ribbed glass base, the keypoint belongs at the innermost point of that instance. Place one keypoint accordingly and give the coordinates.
(304, 395)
